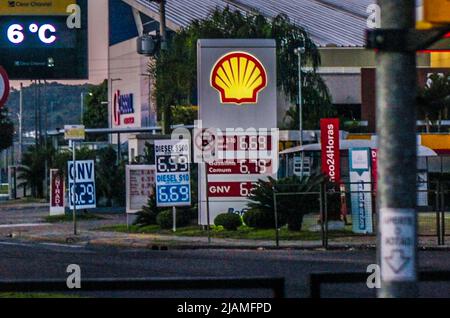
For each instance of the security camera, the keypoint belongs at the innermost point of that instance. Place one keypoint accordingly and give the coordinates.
(147, 45)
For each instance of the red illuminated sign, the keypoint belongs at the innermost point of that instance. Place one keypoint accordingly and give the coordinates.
(57, 189)
(329, 128)
(230, 189)
(246, 167)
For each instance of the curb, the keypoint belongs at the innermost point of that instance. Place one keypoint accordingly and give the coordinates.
(176, 245)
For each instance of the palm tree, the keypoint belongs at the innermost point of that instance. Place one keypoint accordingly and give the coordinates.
(33, 170)
(291, 208)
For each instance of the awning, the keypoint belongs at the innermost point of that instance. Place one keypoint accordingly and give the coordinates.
(358, 143)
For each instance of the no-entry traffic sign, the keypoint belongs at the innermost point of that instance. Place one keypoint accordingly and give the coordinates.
(4, 86)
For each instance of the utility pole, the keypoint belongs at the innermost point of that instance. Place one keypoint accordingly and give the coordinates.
(299, 51)
(397, 42)
(20, 122)
(396, 87)
(162, 24)
(163, 35)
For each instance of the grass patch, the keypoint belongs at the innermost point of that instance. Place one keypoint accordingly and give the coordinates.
(69, 218)
(242, 232)
(4, 189)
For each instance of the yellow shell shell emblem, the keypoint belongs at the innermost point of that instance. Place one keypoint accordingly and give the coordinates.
(239, 77)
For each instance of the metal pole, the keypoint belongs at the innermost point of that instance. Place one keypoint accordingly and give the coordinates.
(275, 208)
(325, 217)
(208, 220)
(438, 213)
(174, 216)
(35, 115)
(322, 217)
(81, 107)
(162, 24)
(20, 123)
(300, 106)
(442, 216)
(119, 150)
(74, 189)
(396, 127)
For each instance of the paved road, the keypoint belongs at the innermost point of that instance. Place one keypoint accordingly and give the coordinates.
(26, 213)
(41, 261)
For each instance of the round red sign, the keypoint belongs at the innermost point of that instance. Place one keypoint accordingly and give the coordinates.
(4, 86)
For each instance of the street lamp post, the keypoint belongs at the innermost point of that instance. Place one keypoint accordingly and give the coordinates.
(299, 51)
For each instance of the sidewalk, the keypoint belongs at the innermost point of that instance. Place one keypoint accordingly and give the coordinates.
(26, 222)
(87, 236)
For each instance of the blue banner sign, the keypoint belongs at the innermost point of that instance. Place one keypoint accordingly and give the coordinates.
(85, 197)
(173, 184)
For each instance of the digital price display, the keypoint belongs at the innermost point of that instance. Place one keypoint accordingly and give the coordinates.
(85, 195)
(47, 41)
(173, 184)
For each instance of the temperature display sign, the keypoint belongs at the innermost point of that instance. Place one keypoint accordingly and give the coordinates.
(25, 32)
(44, 39)
(85, 197)
(173, 184)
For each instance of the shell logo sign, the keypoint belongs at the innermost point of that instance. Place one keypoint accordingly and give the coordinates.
(239, 77)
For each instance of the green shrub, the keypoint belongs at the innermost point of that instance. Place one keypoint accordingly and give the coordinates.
(259, 220)
(147, 216)
(165, 219)
(230, 221)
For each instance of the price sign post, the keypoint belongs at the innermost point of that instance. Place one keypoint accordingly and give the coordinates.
(173, 184)
(75, 133)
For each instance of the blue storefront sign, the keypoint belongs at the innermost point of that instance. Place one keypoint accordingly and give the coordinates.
(361, 190)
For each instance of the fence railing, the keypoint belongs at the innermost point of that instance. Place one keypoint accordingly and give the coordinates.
(316, 280)
(433, 206)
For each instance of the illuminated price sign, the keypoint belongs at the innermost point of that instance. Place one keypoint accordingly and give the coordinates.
(85, 197)
(173, 186)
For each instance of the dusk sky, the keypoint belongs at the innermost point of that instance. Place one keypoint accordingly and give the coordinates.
(98, 44)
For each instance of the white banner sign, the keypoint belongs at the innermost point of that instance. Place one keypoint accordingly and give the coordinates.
(398, 249)
(140, 185)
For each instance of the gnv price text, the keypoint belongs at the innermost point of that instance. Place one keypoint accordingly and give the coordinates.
(84, 195)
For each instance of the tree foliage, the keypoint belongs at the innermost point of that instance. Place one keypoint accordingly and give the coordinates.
(433, 100)
(175, 69)
(292, 208)
(6, 130)
(316, 104)
(32, 171)
(96, 111)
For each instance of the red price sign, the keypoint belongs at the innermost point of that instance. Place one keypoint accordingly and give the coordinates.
(244, 143)
(245, 167)
(230, 189)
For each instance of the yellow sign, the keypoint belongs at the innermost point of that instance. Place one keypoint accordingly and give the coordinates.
(239, 77)
(35, 7)
(75, 132)
(437, 11)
